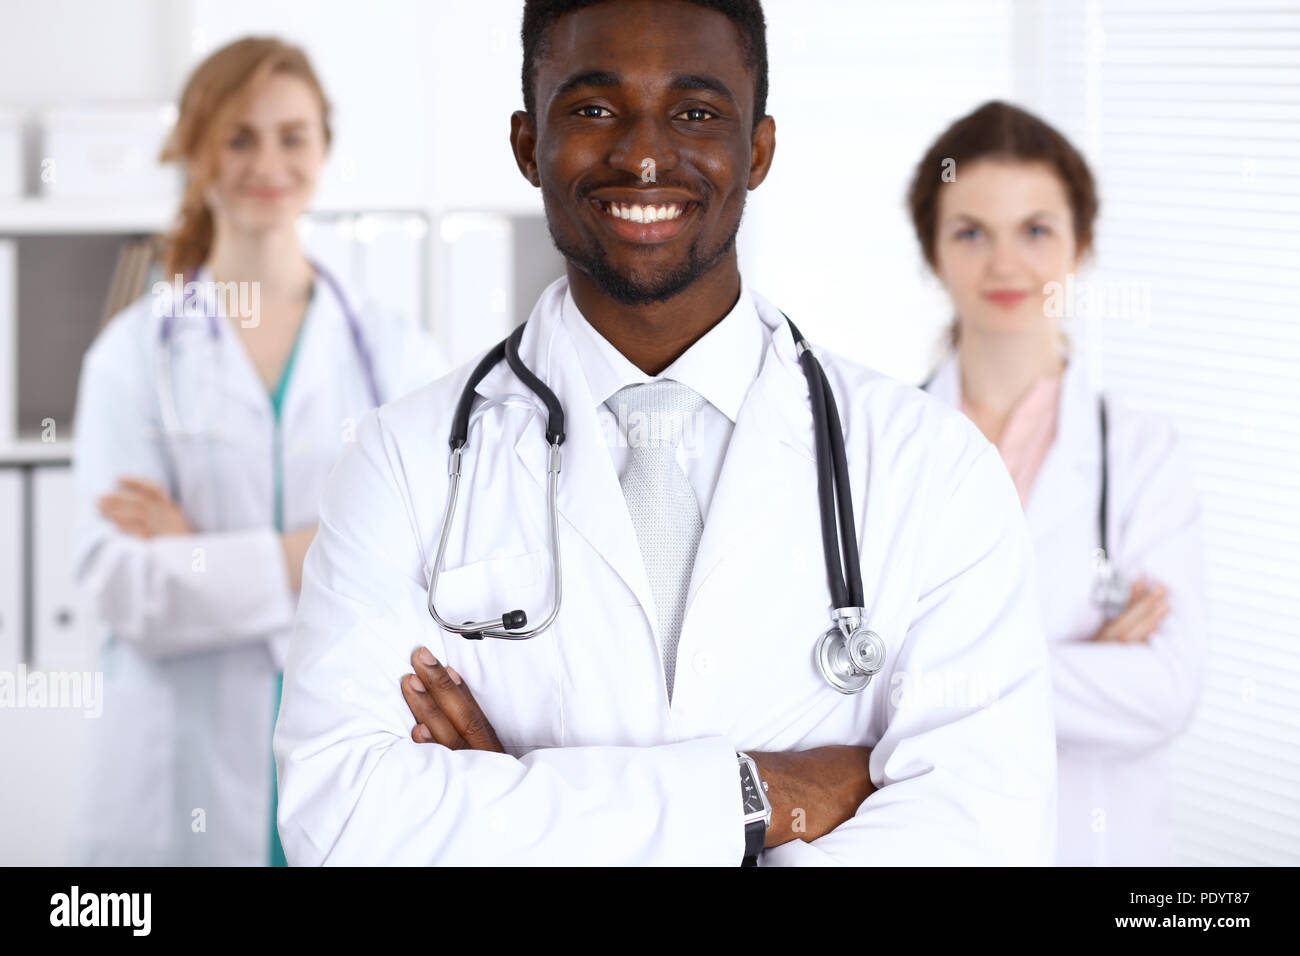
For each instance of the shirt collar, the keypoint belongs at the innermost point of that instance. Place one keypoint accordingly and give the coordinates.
(720, 366)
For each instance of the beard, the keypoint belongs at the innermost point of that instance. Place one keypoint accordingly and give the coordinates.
(630, 289)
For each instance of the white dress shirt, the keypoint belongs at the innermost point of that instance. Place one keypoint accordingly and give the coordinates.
(721, 366)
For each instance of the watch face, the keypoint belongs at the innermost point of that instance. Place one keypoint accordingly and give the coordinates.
(749, 791)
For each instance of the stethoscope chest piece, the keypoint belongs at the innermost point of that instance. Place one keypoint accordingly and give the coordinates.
(849, 654)
(1109, 588)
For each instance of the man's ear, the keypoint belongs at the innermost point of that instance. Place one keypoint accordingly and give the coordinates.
(762, 149)
(523, 142)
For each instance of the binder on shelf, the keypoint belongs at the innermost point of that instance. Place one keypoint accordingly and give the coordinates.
(130, 275)
(8, 342)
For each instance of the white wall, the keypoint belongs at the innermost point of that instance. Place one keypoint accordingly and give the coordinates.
(858, 92)
(423, 91)
(78, 51)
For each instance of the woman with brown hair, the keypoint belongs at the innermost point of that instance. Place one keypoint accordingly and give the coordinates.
(209, 415)
(1004, 209)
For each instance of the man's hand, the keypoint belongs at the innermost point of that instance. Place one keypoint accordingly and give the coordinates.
(813, 791)
(1146, 608)
(444, 709)
(142, 509)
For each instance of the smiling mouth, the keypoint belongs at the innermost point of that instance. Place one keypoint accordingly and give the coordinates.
(645, 224)
(645, 214)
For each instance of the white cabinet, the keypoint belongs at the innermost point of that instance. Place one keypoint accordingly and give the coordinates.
(491, 269)
(62, 630)
(107, 150)
(12, 571)
(42, 740)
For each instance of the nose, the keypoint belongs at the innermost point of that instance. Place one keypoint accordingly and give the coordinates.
(642, 136)
(1003, 258)
(267, 160)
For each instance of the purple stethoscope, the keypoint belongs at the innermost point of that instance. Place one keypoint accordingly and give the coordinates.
(171, 417)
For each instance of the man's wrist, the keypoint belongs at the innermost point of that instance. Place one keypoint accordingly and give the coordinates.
(777, 787)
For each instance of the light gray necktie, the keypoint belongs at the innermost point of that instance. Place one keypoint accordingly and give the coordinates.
(653, 418)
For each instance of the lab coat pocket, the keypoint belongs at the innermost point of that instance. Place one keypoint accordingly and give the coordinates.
(516, 683)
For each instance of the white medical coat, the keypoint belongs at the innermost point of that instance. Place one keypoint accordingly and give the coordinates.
(1117, 706)
(196, 627)
(599, 769)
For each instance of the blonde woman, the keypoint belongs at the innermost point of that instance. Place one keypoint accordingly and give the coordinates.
(209, 415)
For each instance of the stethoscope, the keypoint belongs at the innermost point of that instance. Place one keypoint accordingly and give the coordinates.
(1109, 587)
(848, 654)
(172, 423)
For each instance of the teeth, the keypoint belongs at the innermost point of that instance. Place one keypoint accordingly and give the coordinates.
(643, 214)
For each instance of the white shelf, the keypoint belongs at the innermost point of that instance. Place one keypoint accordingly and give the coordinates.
(33, 451)
(36, 216)
(33, 215)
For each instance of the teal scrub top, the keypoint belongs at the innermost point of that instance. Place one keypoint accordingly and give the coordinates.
(277, 403)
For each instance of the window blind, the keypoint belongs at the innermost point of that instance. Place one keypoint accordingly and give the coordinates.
(1189, 113)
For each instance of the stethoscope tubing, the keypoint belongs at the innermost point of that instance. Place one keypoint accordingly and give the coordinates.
(1105, 569)
(833, 485)
(170, 412)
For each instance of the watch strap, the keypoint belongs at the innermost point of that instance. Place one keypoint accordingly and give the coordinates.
(755, 830)
(755, 836)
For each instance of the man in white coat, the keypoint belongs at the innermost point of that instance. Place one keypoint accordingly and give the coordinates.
(692, 595)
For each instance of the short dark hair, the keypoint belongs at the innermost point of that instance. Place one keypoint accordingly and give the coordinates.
(745, 15)
(999, 130)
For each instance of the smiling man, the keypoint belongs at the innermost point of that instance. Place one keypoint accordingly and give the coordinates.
(671, 709)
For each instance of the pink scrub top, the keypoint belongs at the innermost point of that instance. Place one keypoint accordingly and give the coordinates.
(1029, 432)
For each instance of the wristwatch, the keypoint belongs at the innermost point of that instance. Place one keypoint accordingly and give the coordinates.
(757, 808)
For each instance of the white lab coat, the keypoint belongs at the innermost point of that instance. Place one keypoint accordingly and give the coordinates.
(196, 627)
(599, 769)
(1117, 706)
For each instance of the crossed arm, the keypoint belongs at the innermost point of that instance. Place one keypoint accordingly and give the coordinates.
(821, 788)
(965, 783)
(144, 509)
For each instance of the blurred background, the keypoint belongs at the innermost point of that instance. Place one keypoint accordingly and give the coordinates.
(1188, 111)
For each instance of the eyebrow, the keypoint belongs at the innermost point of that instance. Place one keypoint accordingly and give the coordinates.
(241, 126)
(1036, 214)
(600, 79)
